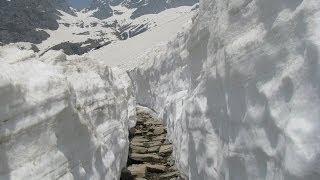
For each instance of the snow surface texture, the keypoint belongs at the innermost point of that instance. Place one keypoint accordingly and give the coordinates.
(67, 117)
(62, 118)
(80, 28)
(240, 91)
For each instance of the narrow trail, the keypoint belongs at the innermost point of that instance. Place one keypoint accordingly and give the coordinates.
(150, 152)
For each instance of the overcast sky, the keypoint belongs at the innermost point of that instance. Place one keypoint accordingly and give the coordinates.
(80, 4)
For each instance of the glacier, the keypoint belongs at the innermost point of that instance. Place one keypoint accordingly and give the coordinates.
(238, 91)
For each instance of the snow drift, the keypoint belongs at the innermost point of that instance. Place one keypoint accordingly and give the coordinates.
(240, 91)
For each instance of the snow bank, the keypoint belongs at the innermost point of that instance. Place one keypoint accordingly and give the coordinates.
(64, 121)
(240, 91)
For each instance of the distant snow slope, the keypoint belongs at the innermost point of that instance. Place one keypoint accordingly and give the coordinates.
(167, 25)
(81, 33)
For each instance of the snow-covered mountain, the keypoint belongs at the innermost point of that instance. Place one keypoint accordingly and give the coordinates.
(23, 20)
(53, 25)
(141, 7)
(101, 8)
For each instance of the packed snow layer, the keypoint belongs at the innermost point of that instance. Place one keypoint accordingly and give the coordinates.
(62, 118)
(67, 117)
(240, 91)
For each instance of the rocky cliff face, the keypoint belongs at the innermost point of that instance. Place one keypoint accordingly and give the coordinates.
(142, 7)
(102, 9)
(21, 19)
(155, 6)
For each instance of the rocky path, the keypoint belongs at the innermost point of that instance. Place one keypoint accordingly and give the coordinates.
(150, 152)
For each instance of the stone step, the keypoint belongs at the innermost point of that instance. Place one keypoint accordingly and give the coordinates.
(137, 170)
(161, 137)
(150, 149)
(138, 149)
(141, 144)
(154, 149)
(156, 168)
(139, 139)
(158, 130)
(165, 149)
(169, 175)
(151, 157)
(152, 143)
(152, 122)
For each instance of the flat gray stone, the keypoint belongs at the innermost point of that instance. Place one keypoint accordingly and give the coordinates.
(170, 175)
(158, 130)
(152, 143)
(154, 149)
(155, 168)
(139, 139)
(151, 157)
(165, 149)
(137, 144)
(138, 149)
(138, 170)
(161, 137)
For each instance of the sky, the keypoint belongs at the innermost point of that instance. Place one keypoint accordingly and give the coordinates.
(79, 4)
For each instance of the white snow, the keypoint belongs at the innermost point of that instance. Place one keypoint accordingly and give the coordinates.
(239, 91)
(68, 120)
(127, 52)
(72, 33)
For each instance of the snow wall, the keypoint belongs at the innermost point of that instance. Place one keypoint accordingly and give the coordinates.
(62, 119)
(240, 91)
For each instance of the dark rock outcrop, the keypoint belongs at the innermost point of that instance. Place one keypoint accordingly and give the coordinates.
(102, 7)
(20, 19)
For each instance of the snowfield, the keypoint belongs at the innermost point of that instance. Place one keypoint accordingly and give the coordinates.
(82, 26)
(238, 90)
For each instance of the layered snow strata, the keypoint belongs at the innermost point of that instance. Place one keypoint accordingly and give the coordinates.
(240, 91)
(64, 121)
